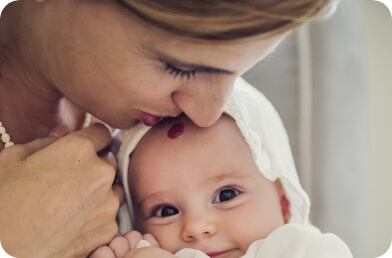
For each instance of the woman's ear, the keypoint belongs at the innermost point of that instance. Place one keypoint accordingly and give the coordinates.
(284, 202)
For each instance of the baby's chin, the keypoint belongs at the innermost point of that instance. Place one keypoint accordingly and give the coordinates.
(217, 252)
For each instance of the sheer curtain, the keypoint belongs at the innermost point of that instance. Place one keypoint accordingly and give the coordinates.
(318, 81)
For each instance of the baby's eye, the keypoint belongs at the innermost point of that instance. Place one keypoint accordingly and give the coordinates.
(226, 195)
(165, 211)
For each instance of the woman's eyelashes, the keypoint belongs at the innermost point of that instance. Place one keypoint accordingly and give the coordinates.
(187, 74)
(164, 211)
(226, 194)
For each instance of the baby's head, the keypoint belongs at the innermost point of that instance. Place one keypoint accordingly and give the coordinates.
(200, 188)
(213, 189)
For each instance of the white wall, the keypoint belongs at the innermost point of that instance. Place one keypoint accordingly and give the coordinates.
(351, 120)
(339, 135)
(377, 24)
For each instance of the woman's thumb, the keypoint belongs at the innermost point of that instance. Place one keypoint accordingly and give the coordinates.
(38, 144)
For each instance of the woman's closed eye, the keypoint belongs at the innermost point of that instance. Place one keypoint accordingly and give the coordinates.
(187, 74)
(226, 194)
(165, 211)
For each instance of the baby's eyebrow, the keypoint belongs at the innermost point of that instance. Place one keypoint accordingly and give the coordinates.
(229, 175)
(152, 200)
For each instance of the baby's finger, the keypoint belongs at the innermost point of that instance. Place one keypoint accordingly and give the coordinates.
(102, 252)
(120, 246)
(151, 239)
(133, 238)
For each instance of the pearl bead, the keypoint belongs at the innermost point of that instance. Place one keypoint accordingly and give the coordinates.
(8, 144)
(5, 137)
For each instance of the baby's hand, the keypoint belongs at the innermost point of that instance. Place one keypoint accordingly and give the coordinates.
(118, 247)
(149, 252)
(122, 245)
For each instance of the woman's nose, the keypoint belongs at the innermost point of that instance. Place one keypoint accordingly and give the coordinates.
(203, 104)
(197, 227)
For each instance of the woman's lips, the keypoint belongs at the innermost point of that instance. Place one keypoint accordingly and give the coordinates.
(149, 119)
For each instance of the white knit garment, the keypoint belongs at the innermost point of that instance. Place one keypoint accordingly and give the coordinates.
(265, 134)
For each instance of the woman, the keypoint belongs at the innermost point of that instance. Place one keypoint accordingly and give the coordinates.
(121, 61)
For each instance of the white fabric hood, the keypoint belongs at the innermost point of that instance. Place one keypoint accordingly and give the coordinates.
(262, 129)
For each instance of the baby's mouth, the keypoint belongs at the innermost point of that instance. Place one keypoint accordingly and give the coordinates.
(217, 254)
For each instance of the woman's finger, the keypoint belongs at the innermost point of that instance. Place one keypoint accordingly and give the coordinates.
(119, 192)
(110, 159)
(98, 134)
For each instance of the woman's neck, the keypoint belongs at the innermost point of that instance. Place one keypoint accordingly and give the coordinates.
(27, 115)
(24, 114)
(29, 106)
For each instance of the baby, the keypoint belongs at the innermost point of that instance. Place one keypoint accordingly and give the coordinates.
(229, 190)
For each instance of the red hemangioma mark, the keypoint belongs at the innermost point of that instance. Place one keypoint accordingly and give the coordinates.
(176, 130)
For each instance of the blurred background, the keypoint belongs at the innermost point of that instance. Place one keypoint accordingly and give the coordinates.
(331, 82)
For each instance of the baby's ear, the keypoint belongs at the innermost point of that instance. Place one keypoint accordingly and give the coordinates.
(284, 202)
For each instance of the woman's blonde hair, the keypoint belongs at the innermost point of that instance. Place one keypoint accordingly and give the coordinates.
(226, 19)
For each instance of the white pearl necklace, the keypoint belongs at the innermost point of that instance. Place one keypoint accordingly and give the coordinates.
(5, 137)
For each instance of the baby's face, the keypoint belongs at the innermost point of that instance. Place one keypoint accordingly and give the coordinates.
(200, 188)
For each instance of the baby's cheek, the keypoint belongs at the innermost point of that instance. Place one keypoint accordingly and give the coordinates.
(251, 222)
(166, 237)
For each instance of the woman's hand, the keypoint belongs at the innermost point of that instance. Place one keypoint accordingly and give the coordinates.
(56, 195)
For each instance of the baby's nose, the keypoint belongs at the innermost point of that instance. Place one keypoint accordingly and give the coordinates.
(198, 227)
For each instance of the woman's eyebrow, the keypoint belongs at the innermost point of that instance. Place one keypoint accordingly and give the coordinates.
(193, 67)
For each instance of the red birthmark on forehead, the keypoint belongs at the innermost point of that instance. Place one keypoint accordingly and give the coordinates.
(176, 130)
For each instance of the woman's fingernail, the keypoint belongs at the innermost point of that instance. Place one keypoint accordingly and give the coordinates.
(59, 131)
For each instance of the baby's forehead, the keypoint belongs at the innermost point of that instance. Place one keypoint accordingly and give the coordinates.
(181, 132)
(189, 144)
(183, 127)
